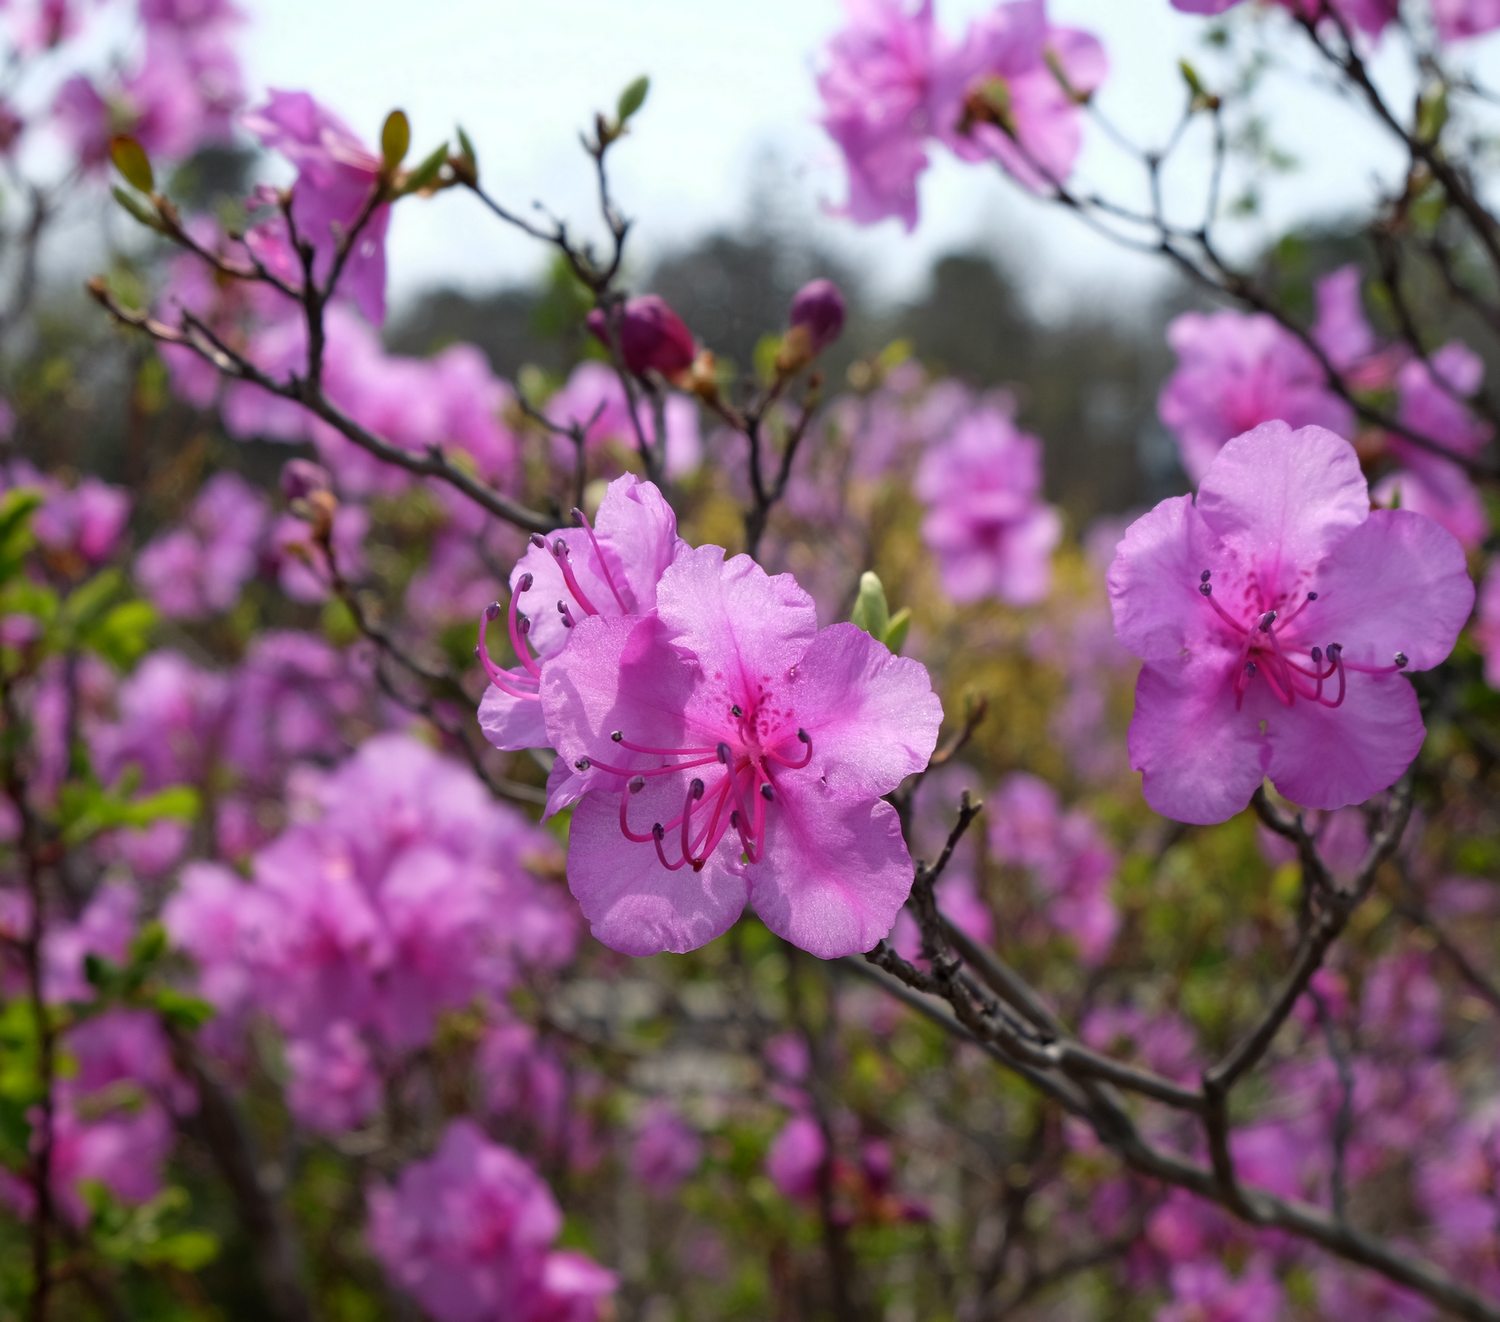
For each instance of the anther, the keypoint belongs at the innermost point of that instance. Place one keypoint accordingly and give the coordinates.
(767, 793)
(582, 764)
(617, 735)
(523, 584)
(523, 624)
(1205, 575)
(560, 549)
(577, 515)
(1317, 656)
(724, 753)
(736, 711)
(658, 830)
(1251, 668)
(695, 788)
(804, 736)
(1266, 621)
(1206, 588)
(567, 615)
(538, 541)
(636, 784)
(1401, 660)
(1312, 596)
(492, 611)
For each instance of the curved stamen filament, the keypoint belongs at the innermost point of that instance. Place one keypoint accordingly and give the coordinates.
(603, 563)
(560, 553)
(519, 626)
(618, 736)
(518, 686)
(803, 736)
(631, 773)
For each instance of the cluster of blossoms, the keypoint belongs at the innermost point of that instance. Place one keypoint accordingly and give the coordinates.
(115, 1118)
(1237, 370)
(1010, 91)
(400, 891)
(1068, 862)
(719, 747)
(469, 1234)
(1454, 20)
(1274, 616)
(179, 94)
(986, 523)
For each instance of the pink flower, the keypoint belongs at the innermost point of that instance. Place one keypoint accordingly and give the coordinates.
(1205, 1292)
(1274, 616)
(337, 176)
(468, 1233)
(652, 337)
(986, 523)
(666, 1150)
(892, 82)
(1457, 20)
(201, 567)
(334, 1087)
(728, 751)
(1370, 16)
(1010, 92)
(796, 1157)
(876, 91)
(611, 568)
(1234, 372)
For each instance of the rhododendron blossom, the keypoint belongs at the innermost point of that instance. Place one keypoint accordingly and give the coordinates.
(728, 751)
(1274, 616)
(986, 522)
(469, 1232)
(336, 184)
(610, 567)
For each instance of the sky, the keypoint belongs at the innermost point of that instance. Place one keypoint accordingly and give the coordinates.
(732, 118)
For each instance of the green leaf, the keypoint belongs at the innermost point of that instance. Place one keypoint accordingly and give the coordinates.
(395, 140)
(632, 99)
(187, 1250)
(426, 172)
(138, 210)
(132, 162)
(871, 611)
(123, 636)
(466, 150)
(149, 945)
(179, 1009)
(1190, 77)
(897, 629)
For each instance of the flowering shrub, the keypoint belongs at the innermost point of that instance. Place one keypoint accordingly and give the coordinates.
(840, 871)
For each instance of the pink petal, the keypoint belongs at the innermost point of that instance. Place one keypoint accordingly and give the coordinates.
(833, 877)
(1324, 757)
(872, 717)
(634, 904)
(511, 723)
(1154, 580)
(1397, 583)
(1282, 499)
(1200, 758)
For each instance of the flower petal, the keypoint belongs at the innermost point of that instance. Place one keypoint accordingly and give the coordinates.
(1282, 499)
(1154, 580)
(511, 723)
(872, 717)
(745, 627)
(833, 876)
(1397, 583)
(1201, 759)
(1330, 757)
(633, 903)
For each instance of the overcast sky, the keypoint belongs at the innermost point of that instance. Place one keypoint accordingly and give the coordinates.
(732, 92)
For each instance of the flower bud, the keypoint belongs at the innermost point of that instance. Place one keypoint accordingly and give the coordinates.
(818, 308)
(652, 338)
(300, 478)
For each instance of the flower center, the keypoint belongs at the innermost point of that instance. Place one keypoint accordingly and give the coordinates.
(1271, 649)
(733, 789)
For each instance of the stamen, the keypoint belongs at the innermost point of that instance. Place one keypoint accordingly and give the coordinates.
(1206, 591)
(619, 737)
(640, 773)
(567, 615)
(694, 794)
(1400, 662)
(1301, 606)
(603, 563)
(658, 834)
(1266, 621)
(560, 554)
(806, 740)
(625, 818)
(520, 626)
(767, 793)
(515, 685)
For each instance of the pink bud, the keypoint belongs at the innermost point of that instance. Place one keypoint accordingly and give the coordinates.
(301, 478)
(818, 308)
(652, 337)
